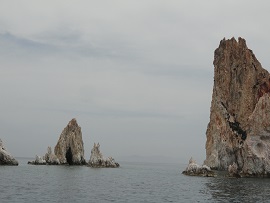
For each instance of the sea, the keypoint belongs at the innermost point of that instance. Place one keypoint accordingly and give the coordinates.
(132, 182)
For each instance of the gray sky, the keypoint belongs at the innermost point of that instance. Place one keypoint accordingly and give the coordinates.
(137, 75)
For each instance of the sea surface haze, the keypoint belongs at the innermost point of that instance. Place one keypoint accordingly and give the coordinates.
(132, 182)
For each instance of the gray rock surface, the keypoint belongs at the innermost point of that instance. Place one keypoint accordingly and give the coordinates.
(98, 161)
(193, 169)
(238, 133)
(38, 161)
(69, 148)
(51, 158)
(5, 157)
(233, 170)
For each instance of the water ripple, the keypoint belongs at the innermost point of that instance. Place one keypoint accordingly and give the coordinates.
(133, 182)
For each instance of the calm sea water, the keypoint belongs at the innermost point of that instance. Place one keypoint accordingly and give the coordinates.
(133, 182)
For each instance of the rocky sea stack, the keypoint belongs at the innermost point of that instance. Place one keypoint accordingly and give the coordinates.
(5, 157)
(98, 161)
(68, 150)
(238, 134)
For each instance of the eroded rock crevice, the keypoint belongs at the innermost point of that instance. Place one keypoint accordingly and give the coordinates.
(69, 156)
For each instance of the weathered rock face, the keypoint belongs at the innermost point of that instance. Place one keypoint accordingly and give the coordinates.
(98, 161)
(5, 157)
(69, 148)
(233, 171)
(193, 169)
(239, 127)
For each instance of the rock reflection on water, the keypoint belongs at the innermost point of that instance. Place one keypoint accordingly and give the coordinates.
(224, 189)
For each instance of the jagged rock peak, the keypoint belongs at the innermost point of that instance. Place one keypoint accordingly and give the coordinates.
(48, 159)
(98, 161)
(238, 132)
(73, 124)
(5, 157)
(69, 148)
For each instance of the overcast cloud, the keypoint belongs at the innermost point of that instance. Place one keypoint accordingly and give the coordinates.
(137, 75)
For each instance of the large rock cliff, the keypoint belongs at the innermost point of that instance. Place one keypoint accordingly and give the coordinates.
(239, 127)
(5, 157)
(69, 148)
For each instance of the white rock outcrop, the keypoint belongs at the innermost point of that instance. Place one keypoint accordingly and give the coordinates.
(98, 161)
(5, 157)
(51, 158)
(194, 169)
(38, 161)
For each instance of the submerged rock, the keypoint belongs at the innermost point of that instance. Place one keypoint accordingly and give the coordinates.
(238, 133)
(5, 157)
(98, 161)
(69, 148)
(193, 169)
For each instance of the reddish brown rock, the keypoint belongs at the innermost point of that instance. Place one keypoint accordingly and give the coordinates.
(239, 127)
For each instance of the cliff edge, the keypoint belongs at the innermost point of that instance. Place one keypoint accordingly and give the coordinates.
(239, 129)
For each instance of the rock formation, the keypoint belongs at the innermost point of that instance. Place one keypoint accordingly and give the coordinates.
(38, 161)
(239, 127)
(5, 157)
(51, 158)
(233, 170)
(98, 161)
(48, 159)
(194, 169)
(69, 148)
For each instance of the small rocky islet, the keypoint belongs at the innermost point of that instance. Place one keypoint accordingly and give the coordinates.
(238, 134)
(69, 150)
(5, 157)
